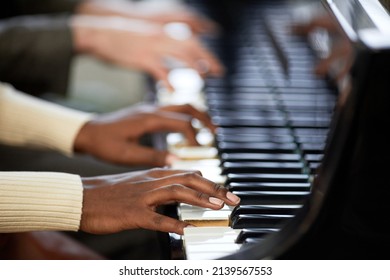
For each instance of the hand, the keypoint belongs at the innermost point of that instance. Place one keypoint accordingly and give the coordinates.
(129, 201)
(140, 45)
(155, 12)
(338, 62)
(115, 136)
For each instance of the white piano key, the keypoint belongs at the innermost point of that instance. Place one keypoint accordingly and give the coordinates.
(188, 89)
(203, 136)
(209, 168)
(210, 242)
(195, 152)
(193, 164)
(188, 212)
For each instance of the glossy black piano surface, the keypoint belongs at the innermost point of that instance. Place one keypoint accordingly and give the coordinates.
(288, 137)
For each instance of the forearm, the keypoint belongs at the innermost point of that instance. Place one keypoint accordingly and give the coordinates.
(28, 121)
(32, 201)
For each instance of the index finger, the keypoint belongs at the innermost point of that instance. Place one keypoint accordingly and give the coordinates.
(214, 66)
(173, 122)
(196, 182)
(190, 110)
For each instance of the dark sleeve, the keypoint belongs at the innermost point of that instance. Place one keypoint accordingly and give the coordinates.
(25, 7)
(35, 53)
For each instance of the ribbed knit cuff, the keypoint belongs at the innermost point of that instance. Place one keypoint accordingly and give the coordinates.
(28, 121)
(31, 201)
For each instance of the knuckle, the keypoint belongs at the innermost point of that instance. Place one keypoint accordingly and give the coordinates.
(191, 176)
(188, 107)
(177, 224)
(175, 188)
(219, 189)
(201, 196)
(157, 220)
(155, 171)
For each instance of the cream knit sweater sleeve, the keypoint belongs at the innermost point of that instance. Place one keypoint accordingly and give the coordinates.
(38, 200)
(29, 121)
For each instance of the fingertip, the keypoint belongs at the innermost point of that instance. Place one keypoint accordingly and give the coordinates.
(216, 201)
(170, 159)
(233, 198)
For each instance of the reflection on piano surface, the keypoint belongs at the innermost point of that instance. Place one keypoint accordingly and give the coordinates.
(309, 170)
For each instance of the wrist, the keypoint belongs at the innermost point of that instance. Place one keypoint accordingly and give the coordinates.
(83, 138)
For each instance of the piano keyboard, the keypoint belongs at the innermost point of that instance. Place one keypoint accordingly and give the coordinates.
(272, 115)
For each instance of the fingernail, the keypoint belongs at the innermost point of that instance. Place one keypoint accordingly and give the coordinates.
(170, 159)
(215, 201)
(232, 197)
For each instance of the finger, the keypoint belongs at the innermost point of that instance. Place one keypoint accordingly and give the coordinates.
(180, 51)
(193, 55)
(206, 57)
(200, 24)
(159, 73)
(173, 122)
(323, 67)
(196, 182)
(196, 56)
(183, 194)
(164, 172)
(163, 223)
(190, 110)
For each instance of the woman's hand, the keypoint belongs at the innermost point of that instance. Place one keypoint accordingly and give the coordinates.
(115, 137)
(129, 201)
(140, 45)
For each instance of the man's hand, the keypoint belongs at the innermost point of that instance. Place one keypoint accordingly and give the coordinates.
(115, 136)
(140, 45)
(128, 201)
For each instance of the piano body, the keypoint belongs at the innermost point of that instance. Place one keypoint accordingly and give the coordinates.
(309, 159)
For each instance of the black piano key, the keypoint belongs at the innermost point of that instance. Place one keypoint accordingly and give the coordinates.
(309, 114)
(253, 233)
(313, 166)
(305, 105)
(312, 148)
(320, 139)
(227, 147)
(271, 197)
(253, 186)
(313, 158)
(309, 123)
(311, 84)
(215, 97)
(264, 157)
(263, 167)
(310, 95)
(251, 241)
(241, 103)
(249, 111)
(245, 138)
(253, 130)
(267, 178)
(265, 209)
(258, 221)
(248, 122)
(298, 93)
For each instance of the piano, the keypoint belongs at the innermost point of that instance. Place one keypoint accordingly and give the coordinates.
(309, 157)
